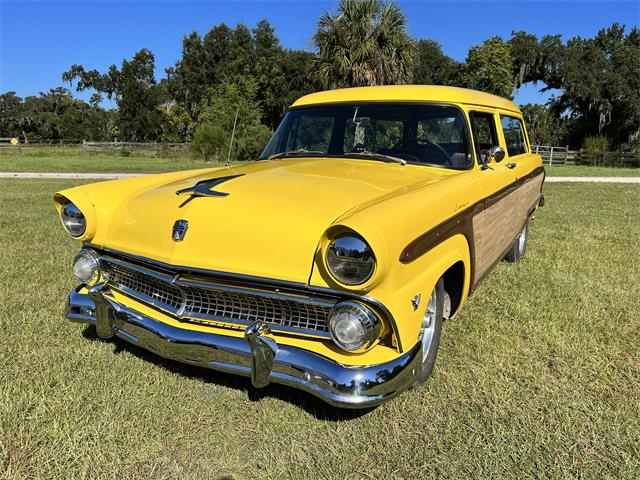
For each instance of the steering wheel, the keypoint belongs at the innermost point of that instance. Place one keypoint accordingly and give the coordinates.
(441, 151)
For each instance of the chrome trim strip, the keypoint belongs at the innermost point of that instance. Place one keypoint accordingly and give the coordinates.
(339, 385)
(259, 293)
(280, 286)
(240, 278)
(133, 266)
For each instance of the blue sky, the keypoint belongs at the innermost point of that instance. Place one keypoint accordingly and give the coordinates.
(40, 40)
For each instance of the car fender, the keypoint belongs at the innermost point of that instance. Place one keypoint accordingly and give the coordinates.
(411, 283)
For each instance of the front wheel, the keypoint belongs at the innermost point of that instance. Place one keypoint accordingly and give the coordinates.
(516, 252)
(430, 331)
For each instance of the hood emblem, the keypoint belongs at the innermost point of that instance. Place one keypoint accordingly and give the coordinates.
(203, 187)
(180, 230)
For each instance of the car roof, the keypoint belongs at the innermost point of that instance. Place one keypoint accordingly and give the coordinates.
(407, 93)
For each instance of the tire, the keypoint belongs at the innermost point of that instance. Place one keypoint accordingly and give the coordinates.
(430, 332)
(519, 247)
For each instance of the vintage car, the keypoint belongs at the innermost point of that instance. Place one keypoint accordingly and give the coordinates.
(330, 263)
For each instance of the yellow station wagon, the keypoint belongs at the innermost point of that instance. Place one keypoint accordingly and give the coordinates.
(331, 262)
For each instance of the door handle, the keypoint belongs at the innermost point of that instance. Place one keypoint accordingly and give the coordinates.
(511, 165)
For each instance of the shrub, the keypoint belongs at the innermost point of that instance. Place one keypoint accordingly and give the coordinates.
(249, 145)
(209, 141)
(125, 152)
(595, 144)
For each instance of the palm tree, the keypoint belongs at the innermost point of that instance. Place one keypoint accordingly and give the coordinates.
(365, 43)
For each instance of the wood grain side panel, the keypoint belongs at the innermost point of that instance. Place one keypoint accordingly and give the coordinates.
(481, 235)
(496, 227)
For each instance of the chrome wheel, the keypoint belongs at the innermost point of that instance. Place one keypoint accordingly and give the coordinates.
(519, 246)
(522, 241)
(430, 331)
(429, 325)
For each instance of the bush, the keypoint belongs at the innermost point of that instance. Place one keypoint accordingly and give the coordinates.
(251, 142)
(595, 144)
(209, 141)
(125, 152)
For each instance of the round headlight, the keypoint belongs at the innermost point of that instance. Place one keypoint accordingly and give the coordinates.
(87, 267)
(353, 326)
(73, 220)
(350, 260)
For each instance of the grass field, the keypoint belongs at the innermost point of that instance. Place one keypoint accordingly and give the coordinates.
(538, 377)
(73, 162)
(587, 171)
(99, 163)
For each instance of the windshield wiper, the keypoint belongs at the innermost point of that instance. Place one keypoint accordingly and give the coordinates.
(376, 156)
(295, 153)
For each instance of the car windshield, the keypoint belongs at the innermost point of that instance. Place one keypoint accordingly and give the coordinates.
(425, 134)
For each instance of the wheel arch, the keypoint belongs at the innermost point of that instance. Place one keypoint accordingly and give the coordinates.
(454, 286)
(450, 259)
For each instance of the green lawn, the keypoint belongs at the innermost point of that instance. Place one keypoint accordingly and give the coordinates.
(587, 171)
(538, 377)
(66, 162)
(71, 161)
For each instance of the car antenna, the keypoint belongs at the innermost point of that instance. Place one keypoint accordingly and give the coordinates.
(233, 132)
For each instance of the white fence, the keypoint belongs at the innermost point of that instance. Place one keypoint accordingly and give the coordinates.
(554, 155)
(133, 148)
(150, 149)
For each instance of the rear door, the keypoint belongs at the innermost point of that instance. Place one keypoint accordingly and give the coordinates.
(519, 156)
(524, 164)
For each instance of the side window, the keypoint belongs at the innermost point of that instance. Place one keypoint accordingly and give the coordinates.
(514, 135)
(484, 133)
(310, 132)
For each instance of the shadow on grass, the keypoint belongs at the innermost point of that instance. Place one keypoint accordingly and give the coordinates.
(300, 398)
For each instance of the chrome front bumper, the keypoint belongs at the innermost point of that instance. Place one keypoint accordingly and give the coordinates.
(256, 355)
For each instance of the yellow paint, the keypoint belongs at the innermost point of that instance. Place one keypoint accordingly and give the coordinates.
(408, 93)
(275, 220)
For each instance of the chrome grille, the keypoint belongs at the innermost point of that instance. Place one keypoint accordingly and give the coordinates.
(144, 285)
(218, 303)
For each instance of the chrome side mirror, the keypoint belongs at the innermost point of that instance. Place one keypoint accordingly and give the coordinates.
(496, 154)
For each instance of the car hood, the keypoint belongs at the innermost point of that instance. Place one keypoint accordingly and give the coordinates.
(270, 222)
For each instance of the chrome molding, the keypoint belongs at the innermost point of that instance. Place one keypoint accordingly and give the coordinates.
(255, 356)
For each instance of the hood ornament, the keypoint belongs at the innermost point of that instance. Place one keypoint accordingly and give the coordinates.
(204, 187)
(179, 230)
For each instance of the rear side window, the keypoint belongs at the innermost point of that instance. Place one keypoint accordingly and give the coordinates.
(514, 135)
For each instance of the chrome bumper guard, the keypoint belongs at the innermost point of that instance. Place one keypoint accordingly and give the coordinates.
(256, 356)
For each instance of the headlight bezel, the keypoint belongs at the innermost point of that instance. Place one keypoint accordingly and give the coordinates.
(367, 319)
(357, 246)
(96, 272)
(69, 213)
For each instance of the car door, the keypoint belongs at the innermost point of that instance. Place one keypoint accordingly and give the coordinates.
(525, 164)
(518, 151)
(492, 226)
